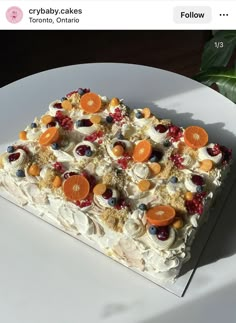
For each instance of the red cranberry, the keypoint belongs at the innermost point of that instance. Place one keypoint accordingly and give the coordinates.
(163, 233)
(14, 157)
(214, 151)
(57, 105)
(197, 180)
(69, 174)
(107, 194)
(80, 150)
(161, 128)
(51, 124)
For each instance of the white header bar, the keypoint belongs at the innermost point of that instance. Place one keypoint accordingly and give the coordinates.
(129, 14)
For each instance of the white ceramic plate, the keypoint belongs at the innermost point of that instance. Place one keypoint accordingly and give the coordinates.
(169, 95)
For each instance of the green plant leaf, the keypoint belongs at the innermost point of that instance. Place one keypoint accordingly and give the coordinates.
(218, 51)
(224, 78)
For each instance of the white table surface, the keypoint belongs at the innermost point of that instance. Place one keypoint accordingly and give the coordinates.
(48, 277)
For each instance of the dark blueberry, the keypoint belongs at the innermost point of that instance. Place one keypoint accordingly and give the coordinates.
(199, 189)
(120, 136)
(142, 207)
(109, 119)
(10, 149)
(112, 201)
(107, 194)
(152, 230)
(156, 156)
(88, 152)
(79, 123)
(20, 173)
(13, 157)
(81, 150)
(167, 143)
(139, 115)
(33, 125)
(55, 146)
(80, 91)
(173, 179)
(163, 233)
(161, 128)
(63, 99)
(153, 159)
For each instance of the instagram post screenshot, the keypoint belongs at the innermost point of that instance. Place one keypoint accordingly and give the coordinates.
(117, 161)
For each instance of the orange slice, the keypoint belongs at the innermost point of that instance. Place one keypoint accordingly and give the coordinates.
(144, 185)
(57, 182)
(23, 135)
(47, 119)
(90, 102)
(206, 165)
(161, 215)
(34, 170)
(66, 104)
(49, 136)
(118, 150)
(142, 151)
(146, 112)
(155, 168)
(99, 189)
(76, 188)
(96, 119)
(195, 137)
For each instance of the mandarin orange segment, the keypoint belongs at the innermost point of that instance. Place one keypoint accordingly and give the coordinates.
(46, 119)
(206, 165)
(181, 147)
(155, 168)
(144, 185)
(99, 189)
(118, 150)
(146, 112)
(195, 137)
(114, 102)
(90, 102)
(23, 135)
(34, 170)
(161, 215)
(67, 105)
(178, 223)
(57, 182)
(76, 188)
(50, 136)
(96, 119)
(188, 196)
(142, 151)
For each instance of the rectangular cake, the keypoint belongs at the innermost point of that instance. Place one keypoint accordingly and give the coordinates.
(132, 185)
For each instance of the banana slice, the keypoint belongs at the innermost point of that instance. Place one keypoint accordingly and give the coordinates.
(166, 244)
(203, 154)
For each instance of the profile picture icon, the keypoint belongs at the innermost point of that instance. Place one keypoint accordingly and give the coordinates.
(14, 15)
